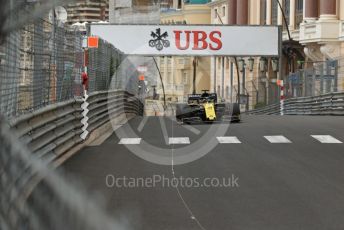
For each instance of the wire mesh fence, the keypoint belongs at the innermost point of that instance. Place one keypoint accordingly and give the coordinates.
(54, 204)
(103, 63)
(41, 64)
(321, 78)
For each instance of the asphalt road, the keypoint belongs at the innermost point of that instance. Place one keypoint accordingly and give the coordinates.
(295, 185)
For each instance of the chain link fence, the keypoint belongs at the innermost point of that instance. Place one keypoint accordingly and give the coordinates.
(41, 64)
(321, 78)
(54, 204)
(103, 63)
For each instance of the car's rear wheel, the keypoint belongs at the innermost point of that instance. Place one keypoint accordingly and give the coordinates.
(228, 112)
(235, 112)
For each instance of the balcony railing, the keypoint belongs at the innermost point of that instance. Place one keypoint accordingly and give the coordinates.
(183, 63)
(341, 32)
(295, 35)
(320, 31)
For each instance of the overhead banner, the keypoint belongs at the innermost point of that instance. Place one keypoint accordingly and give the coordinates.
(193, 40)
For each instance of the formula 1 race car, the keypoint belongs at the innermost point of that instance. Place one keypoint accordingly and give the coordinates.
(204, 108)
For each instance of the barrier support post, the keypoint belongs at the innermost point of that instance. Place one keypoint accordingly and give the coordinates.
(282, 98)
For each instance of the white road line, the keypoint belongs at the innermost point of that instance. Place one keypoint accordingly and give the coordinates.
(191, 129)
(277, 139)
(188, 127)
(142, 123)
(228, 140)
(326, 139)
(130, 141)
(164, 129)
(178, 140)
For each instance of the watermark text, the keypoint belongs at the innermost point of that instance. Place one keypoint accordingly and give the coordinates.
(163, 181)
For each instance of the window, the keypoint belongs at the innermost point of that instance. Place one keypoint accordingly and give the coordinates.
(298, 13)
(286, 8)
(215, 13)
(185, 78)
(223, 11)
(169, 77)
(262, 12)
(179, 4)
(274, 9)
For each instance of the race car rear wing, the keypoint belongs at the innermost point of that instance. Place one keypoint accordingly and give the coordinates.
(195, 98)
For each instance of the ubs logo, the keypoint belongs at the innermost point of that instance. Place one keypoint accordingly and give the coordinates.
(159, 40)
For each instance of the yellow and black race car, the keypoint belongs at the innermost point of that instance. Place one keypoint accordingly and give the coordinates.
(204, 108)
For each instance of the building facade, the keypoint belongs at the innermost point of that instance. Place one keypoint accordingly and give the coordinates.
(137, 11)
(178, 72)
(88, 11)
(311, 56)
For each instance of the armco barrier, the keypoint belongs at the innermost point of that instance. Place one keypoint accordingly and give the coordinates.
(53, 130)
(51, 134)
(331, 104)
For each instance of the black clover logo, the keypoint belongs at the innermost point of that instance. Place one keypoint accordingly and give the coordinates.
(159, 40)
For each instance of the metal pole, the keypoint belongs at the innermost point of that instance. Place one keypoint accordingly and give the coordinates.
(55, 69)
(335, 88)
(37, 63)
(284, 19)
(244, 81)
(280, 68)
(214, 74)
(162, 83)
(305, 84)
(238, 76)
(322, 78)
(194, 76)
(223, 77)
(244, 92)
(282, 98)
(265, 95)
(267, 86)
(231, 80)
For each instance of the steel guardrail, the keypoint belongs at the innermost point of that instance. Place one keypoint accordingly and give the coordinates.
(331, 104)
(51, 131)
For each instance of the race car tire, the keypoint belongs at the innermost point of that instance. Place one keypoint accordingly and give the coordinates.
(235, 112)
(236, 109)
(182, 111)
(228, 110)
(220, 109)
